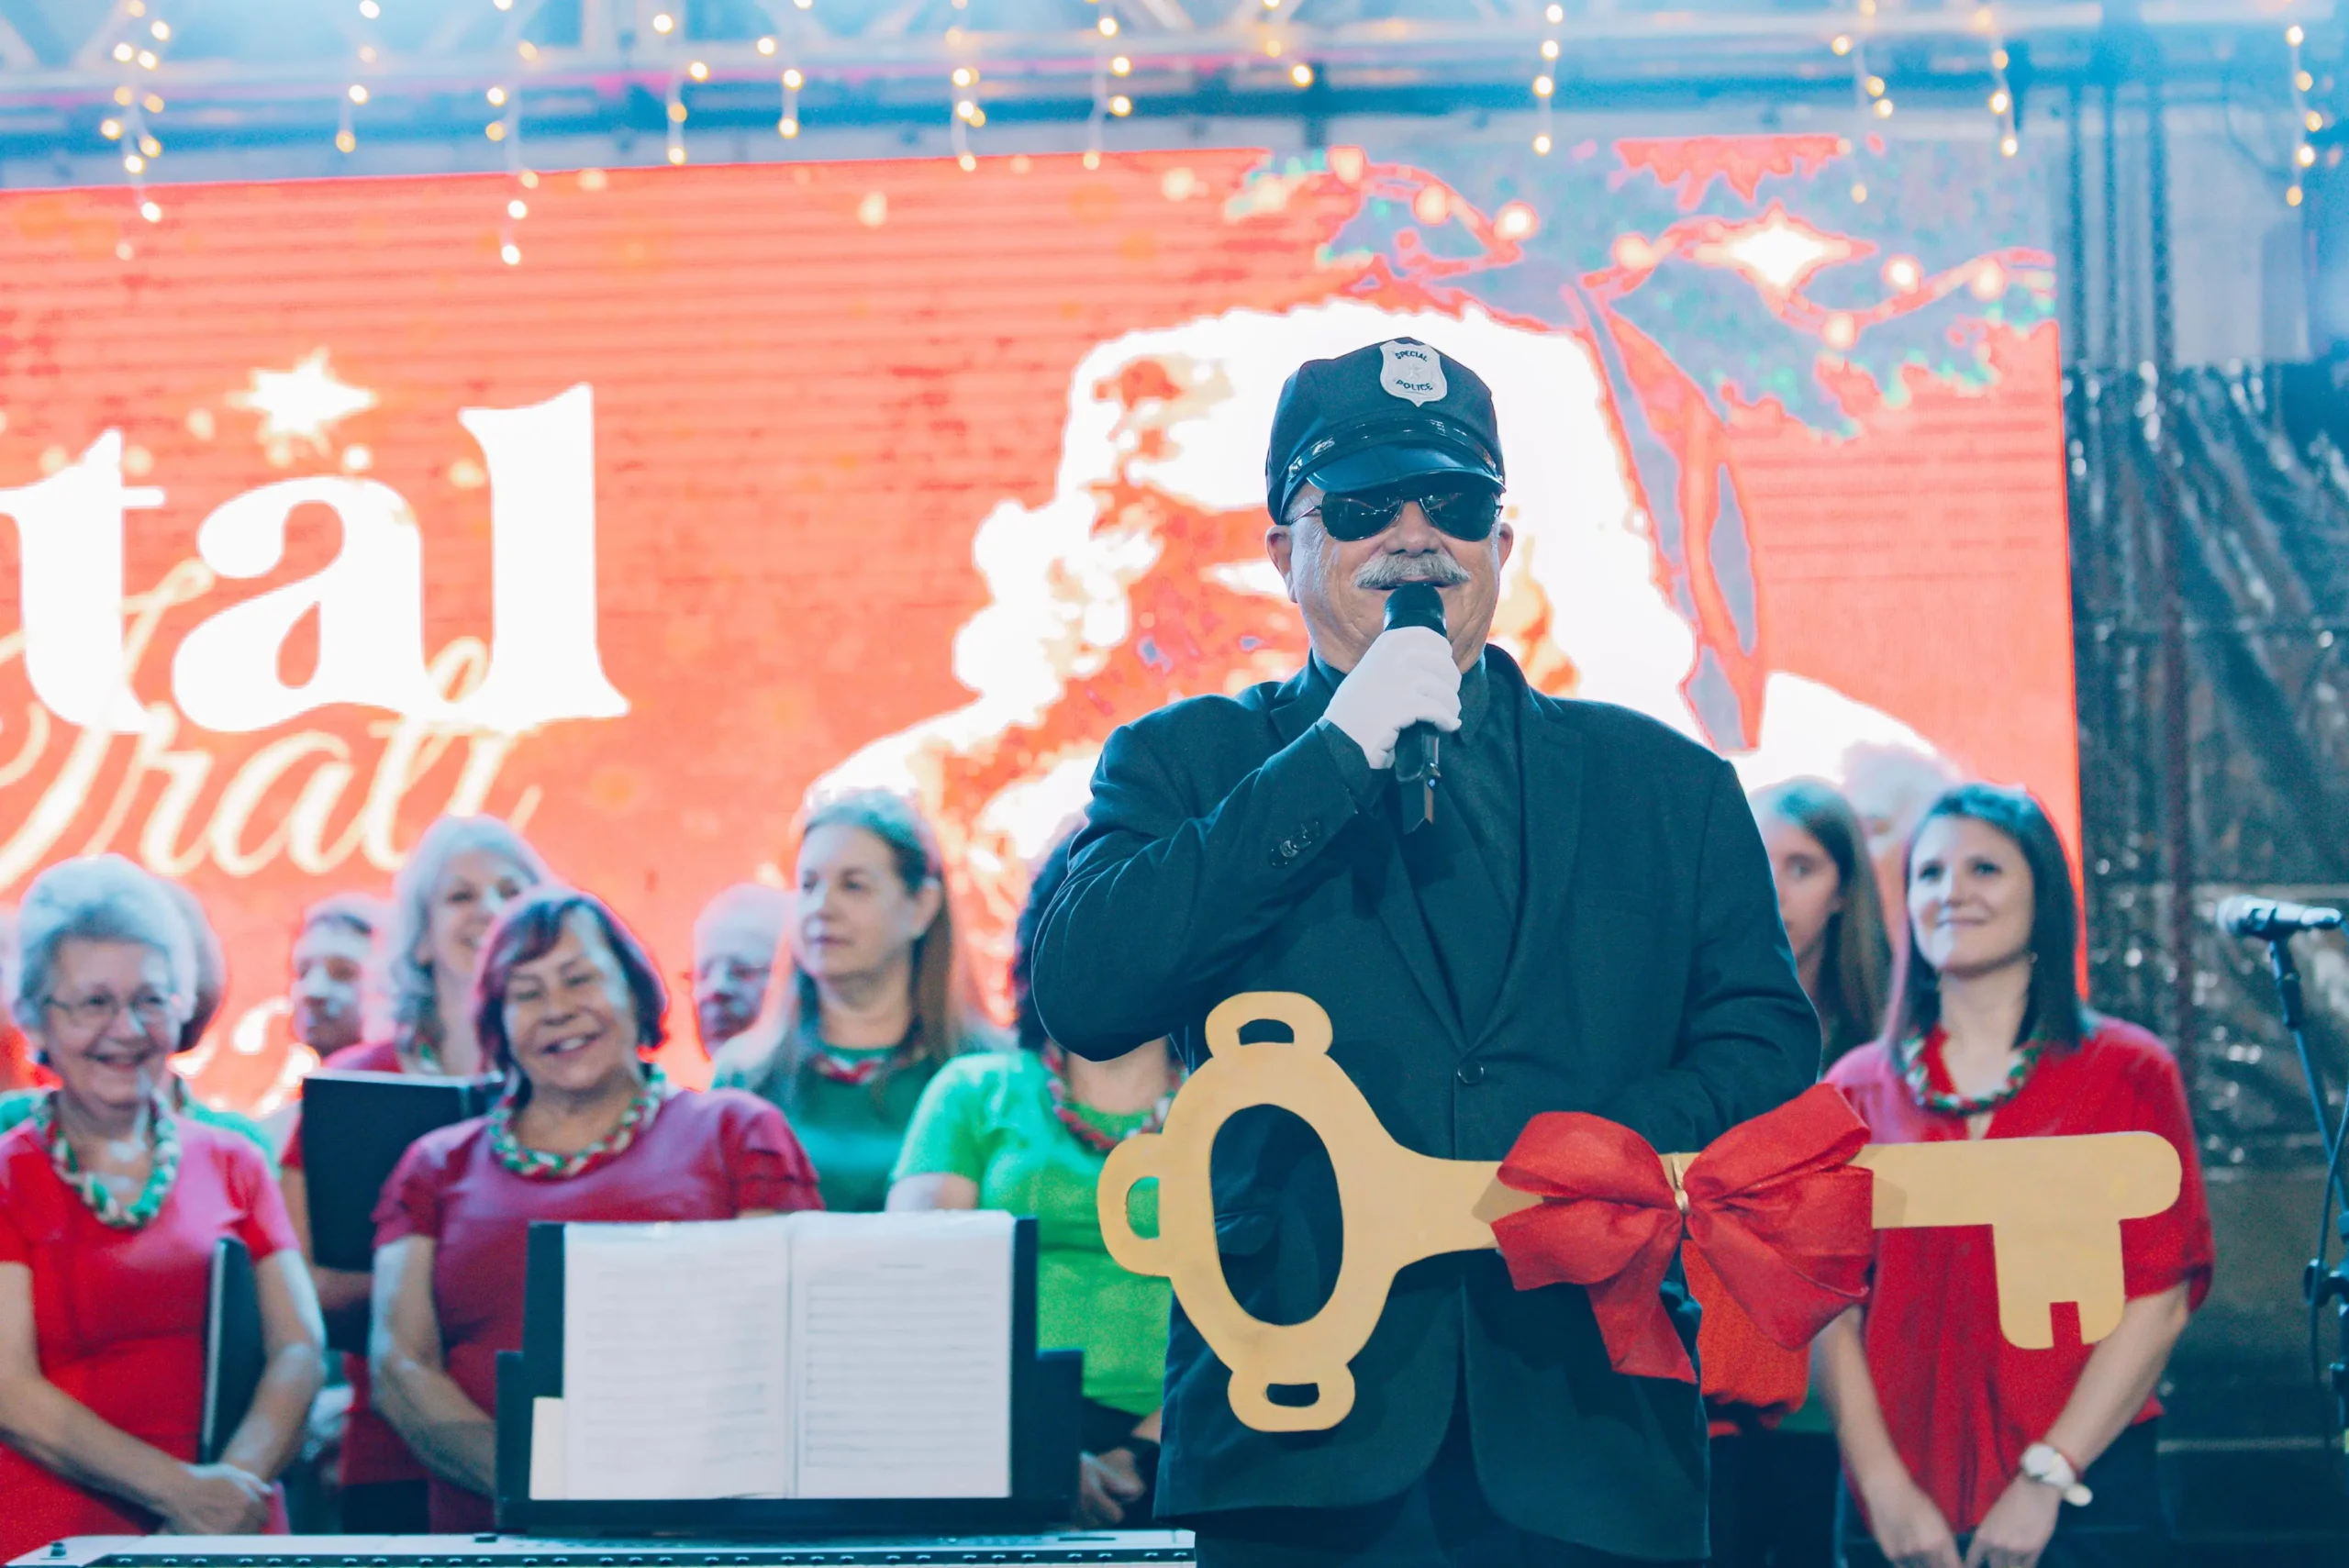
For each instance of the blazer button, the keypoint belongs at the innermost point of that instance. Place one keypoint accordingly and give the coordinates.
(1471, 1073)
(1285, 853)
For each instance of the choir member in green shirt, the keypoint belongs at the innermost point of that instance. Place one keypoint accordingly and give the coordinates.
(1027, 1131)
(869, 1000)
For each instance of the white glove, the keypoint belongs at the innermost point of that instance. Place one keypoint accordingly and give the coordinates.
(1406, 678)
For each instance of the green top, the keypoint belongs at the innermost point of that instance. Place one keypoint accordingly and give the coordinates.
(14, 1108)
(1810, 1415)
(989, 1118)
(850, 1131)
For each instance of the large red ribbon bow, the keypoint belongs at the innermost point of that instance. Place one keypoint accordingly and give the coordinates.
(1773, 1203)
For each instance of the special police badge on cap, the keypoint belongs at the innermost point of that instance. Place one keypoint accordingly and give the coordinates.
(1377, 415)
(1411, 371)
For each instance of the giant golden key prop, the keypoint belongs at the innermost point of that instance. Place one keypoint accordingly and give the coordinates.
(2054, 1204)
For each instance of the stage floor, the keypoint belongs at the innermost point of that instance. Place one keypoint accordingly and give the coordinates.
(1106, 1549)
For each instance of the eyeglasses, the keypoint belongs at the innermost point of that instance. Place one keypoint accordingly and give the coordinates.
(1466, 512)
(90, 1014)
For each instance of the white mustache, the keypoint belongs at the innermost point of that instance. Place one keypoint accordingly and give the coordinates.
(1394, 570)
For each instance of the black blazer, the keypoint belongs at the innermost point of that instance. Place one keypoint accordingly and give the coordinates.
(1650, 983)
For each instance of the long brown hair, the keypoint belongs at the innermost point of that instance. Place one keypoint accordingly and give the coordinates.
(765, 1055)
(2056, 1011)
(1855, 969)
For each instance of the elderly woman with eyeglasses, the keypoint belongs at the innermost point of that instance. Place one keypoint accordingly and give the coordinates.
(110, 1209)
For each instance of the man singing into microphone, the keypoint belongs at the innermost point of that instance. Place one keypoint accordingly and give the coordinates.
(1588, 923)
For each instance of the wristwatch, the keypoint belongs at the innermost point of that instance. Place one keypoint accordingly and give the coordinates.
(2045, 1463)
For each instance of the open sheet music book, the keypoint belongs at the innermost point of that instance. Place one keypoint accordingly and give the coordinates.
(804, 1355)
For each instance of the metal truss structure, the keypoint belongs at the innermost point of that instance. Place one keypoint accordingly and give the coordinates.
(257, 71)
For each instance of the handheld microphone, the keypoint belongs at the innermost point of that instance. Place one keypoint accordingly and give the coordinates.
(1418, 751)
(2271, 918)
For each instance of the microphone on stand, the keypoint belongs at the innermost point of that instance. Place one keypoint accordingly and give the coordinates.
(1418, 751)
(2245, 916)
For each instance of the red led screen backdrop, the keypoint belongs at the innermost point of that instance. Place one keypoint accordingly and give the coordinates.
(749, 481)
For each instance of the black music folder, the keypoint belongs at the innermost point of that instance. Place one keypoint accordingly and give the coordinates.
(234, 1353)
(355, 1127)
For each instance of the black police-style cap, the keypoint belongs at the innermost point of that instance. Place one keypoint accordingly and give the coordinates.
(1392, 411)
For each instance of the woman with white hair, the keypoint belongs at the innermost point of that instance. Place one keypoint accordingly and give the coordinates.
(460, 875)
(211, 989)
(110, 1209)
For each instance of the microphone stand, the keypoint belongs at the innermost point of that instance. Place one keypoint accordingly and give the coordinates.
(2320, 1287)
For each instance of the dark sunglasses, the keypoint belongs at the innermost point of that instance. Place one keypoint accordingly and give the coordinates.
(1466, 512)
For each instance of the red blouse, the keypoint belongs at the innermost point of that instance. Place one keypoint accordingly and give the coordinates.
(119, 1315)
(705, 1156)
(371, 1451)
(1961, 1402)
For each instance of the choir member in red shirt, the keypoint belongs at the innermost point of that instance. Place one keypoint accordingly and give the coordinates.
(338, 965)
(460, 875)
(110, 1206)
(571, 1005)
(1959, 1447)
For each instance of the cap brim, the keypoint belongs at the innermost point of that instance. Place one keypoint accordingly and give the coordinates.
(1377, 466)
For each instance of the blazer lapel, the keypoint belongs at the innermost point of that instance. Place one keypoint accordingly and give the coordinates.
(1297, 703)
(1550, 762)
(1383, 876)
(1380, 876)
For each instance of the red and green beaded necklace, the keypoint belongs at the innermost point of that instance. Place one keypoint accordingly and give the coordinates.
(854, 1069)
(99, 1198)
(1097, 1139)
(541, 1165)
(1929, 1081)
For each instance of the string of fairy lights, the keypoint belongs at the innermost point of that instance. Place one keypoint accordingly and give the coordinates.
(1545, 82)
(967, 116)
(2002, 99)
(140, 52)
(2305, 121)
